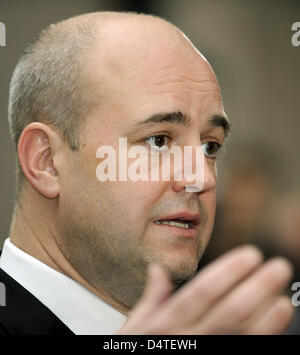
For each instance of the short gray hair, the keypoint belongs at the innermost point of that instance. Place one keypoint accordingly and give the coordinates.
(45, 86)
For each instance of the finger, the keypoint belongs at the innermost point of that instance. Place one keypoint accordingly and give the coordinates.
(211, 284)
(274, 321)
(157, 290)
(242, 303)
(158, 287)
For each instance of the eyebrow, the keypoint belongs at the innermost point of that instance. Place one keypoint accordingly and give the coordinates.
(182, 119)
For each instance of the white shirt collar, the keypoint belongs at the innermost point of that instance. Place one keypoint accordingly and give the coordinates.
(78, 308)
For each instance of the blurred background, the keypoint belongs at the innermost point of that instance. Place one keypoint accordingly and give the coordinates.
(249, 46)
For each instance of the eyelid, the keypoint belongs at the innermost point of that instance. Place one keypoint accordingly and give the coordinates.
(207, 139)
(215, 138)
(160, 133)
(157, 135)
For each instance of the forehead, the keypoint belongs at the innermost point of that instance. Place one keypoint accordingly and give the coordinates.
(151, 68)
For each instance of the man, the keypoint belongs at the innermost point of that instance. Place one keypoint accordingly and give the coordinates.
(79, 250)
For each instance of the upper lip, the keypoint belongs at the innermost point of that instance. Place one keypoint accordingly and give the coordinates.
(193, 218)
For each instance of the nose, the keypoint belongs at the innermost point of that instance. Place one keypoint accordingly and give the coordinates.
(199, 172)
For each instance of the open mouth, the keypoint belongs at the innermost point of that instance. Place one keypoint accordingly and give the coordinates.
(182, 224)
(177, 222)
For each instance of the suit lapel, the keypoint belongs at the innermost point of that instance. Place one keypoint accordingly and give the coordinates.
(25, 314)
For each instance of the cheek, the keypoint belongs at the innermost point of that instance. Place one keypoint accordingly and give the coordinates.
(137, 198)
(131, 203)
(209, 203)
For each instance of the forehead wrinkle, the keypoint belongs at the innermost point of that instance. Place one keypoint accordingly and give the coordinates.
(179, 91)
(170, 69)
(177, 85)
(179, 79)
(176, 78)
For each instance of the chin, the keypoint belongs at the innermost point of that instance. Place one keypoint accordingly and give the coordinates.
(181, 271)
(181, 261)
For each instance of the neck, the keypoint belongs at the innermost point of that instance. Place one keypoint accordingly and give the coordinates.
(33, 231)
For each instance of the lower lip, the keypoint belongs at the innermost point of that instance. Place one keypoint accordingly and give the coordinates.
(182, 232)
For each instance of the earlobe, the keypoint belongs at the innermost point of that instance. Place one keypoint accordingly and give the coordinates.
(36, 149)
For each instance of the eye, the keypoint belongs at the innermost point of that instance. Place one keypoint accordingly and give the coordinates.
(211, 149)
(158, 142)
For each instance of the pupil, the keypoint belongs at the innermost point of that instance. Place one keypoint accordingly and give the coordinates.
(159, 141)
(210, 148)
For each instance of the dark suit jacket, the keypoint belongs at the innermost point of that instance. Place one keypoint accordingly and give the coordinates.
(25, 314)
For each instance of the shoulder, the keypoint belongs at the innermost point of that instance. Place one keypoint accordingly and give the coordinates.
(23, 313)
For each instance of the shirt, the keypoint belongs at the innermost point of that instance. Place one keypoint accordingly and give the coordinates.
(78, 308)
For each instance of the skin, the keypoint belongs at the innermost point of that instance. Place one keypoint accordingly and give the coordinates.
(102, 234)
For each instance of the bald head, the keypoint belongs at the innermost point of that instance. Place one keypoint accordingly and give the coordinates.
(128, 44)
(75, 64)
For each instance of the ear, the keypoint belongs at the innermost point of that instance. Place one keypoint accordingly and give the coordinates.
(37, 147)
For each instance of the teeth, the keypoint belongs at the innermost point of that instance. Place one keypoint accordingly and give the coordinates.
(175, 224)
